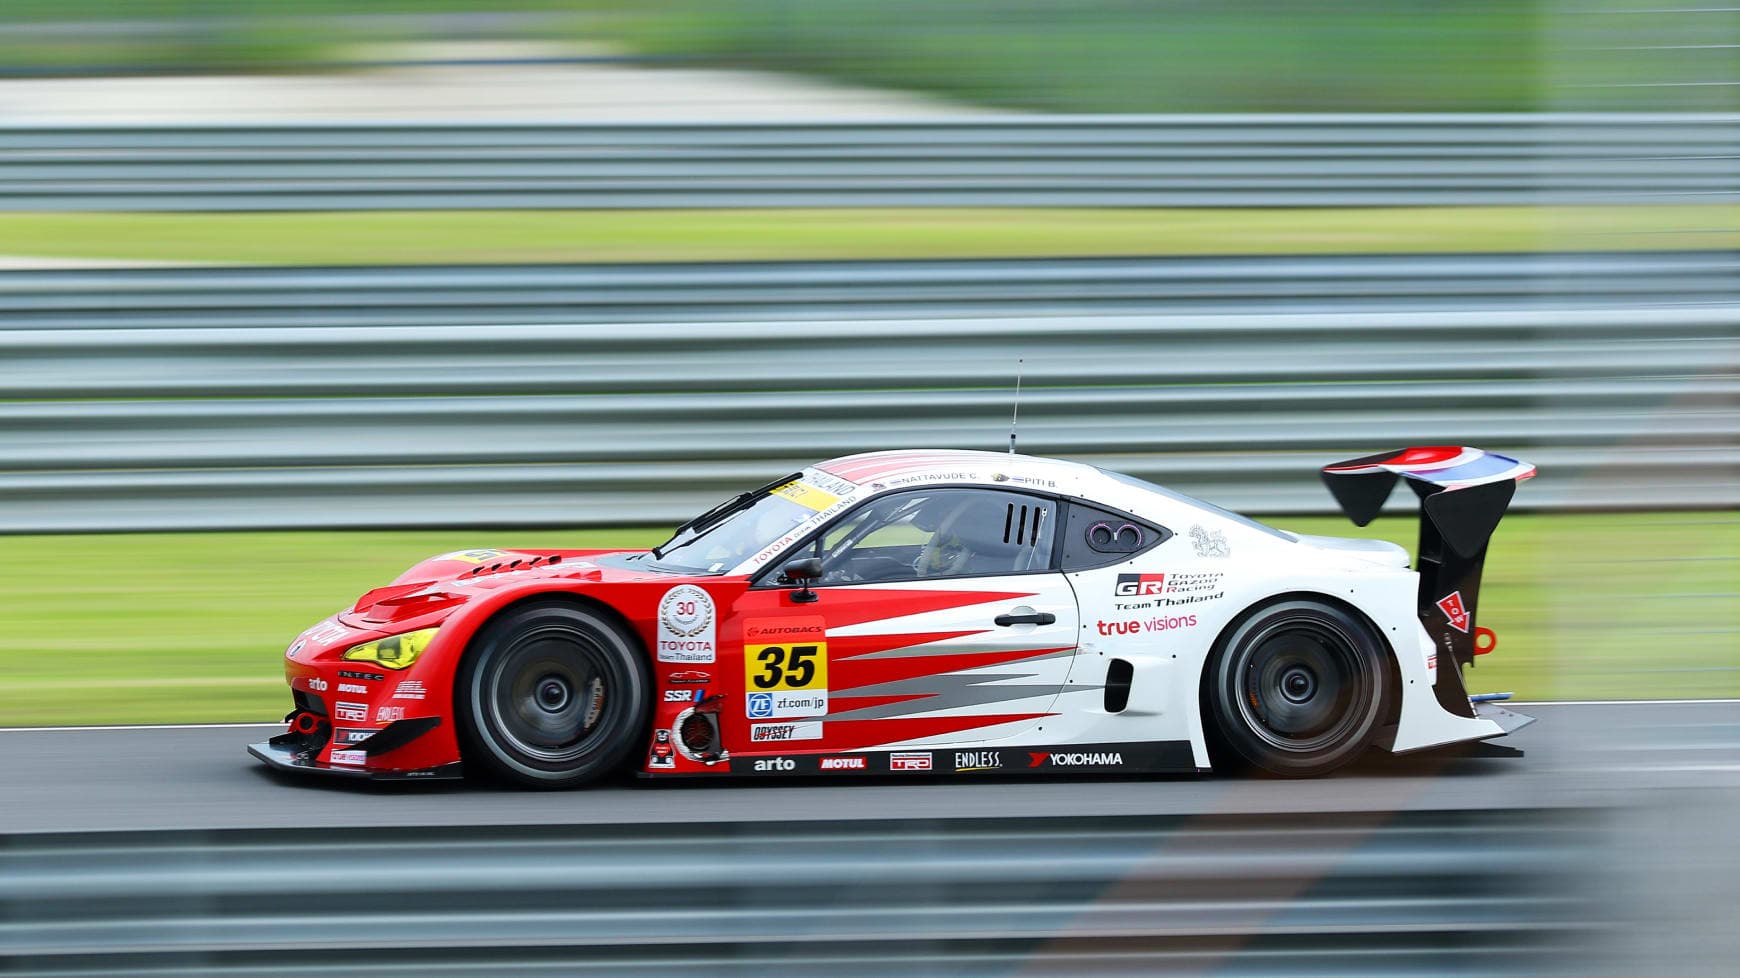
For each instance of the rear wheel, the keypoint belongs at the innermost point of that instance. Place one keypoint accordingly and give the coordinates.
(1299, 688)
(552, 696)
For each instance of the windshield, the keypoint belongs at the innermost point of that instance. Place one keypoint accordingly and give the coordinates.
(738, 533)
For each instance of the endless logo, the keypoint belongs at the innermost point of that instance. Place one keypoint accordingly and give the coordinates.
(978, 760)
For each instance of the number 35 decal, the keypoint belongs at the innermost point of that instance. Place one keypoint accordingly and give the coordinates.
(797, 667)
(781, 655)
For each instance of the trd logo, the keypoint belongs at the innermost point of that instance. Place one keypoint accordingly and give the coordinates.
(1138, 585)
(776, 764)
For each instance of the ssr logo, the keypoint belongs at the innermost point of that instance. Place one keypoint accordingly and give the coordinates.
(776, 764)
(1138, 585)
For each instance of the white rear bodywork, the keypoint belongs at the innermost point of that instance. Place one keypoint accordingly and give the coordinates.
(1221, 564)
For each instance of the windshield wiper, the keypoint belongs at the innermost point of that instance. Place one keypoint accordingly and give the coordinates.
(718, 514)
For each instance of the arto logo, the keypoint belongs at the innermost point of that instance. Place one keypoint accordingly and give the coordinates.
(1451, 605)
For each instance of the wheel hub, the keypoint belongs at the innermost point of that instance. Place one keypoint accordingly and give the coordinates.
(1298, 684)
(554, 694)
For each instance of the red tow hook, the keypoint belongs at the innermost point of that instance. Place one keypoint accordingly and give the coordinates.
(304, 723)
(1486, 635)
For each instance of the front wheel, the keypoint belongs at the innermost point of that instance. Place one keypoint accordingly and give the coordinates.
(1299, 688)
(552, 696)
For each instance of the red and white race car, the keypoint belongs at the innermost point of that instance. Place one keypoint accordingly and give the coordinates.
(922, 612)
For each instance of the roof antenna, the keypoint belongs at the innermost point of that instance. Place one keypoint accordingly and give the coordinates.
(1016, 415)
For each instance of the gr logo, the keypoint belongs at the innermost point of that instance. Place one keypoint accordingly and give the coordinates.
(1138, 585)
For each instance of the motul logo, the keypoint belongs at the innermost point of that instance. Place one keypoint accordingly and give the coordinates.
(842, 764)
(1079, 759)
(1451, 605)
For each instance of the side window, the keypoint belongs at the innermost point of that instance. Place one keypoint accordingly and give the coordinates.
(1097, 538)
(939, 533)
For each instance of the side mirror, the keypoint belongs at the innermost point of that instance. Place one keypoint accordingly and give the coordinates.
(802, 572)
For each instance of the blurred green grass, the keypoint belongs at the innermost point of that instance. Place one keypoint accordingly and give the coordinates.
(139, 628)
(423, 237)
(1047, 55)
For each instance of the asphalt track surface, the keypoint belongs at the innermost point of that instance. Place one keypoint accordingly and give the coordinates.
(1577, 755)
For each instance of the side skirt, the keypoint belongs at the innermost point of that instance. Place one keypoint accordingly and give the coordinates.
(1151, 757)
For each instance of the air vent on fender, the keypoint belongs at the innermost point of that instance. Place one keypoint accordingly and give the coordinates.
(398, 603)
(1118, 677)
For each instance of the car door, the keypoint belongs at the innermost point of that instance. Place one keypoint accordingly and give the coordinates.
(939, 618)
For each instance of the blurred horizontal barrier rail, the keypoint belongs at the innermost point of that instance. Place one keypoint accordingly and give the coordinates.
(493, 294)
(637, 422)
(1409, 894)
(1077, 161)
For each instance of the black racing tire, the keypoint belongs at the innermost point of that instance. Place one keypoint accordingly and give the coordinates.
(1299, 688)
(552, 695)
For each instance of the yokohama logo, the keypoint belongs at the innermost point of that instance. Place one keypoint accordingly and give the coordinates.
(1079, 759)
(842, 764)
(1452, 607)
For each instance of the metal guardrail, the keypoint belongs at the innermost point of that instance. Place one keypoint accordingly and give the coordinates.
(1349, 895)
(1035, 161)
(493, 294)
(541, 424)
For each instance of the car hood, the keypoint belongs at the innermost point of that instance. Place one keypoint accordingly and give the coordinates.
(436, 586)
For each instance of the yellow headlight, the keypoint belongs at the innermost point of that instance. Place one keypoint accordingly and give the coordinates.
(396, 652)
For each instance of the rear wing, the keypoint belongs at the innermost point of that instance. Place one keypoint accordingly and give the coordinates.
(1463, 494)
